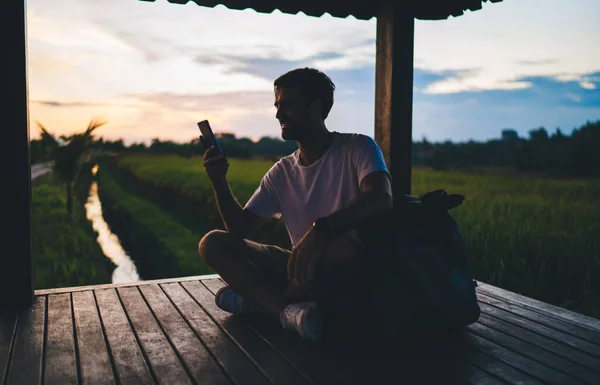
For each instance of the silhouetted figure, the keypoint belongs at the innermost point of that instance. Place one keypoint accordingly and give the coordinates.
(332, 183)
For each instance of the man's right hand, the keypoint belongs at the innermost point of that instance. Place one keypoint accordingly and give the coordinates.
(215, 164)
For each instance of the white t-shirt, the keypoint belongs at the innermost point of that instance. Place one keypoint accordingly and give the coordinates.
(302, 194)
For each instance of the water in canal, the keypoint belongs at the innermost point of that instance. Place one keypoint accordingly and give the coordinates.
(109, 242)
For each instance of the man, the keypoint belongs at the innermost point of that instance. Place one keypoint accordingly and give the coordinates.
(331, 184)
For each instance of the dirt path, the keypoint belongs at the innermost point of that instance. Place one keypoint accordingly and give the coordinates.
(40, 169)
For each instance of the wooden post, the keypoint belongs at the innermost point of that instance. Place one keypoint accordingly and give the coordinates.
(394, 90)
(16, 281)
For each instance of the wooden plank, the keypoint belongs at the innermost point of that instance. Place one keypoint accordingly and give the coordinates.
(125, 284)
(60, 361)
(8, 325)
(129, 362)
(571, 369)
(26, 364)
(539, 340)
(566, 327)
(330, 364)
(94, 358)
(275, 367)
(239, 366)
(159, 352)
(479, 377)
(520, 362)
(500, 369)
(542, 307)
(16, 278)
(316, 363)
(195, 356)
(527, 324)
(394, 91)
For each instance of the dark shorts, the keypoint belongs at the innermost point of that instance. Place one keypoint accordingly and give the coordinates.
(338, 287)
(274, 264)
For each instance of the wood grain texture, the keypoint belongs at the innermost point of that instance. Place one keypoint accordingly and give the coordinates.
(500, 369)
(94, 358)
(539, 340)
(166, 365)
(319, 365)
(532, 367)
(195, 356)
(394, 91)
(60, 361)
(8, 323)
(128, 360)
(585, 339)
(173, 332)
(74, 289)
(545, 331)
(240, 367)
(26, 364)
(544, 308)
(278, 370)
(522, 348)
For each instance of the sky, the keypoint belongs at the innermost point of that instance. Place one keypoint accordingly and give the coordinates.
(152, 70)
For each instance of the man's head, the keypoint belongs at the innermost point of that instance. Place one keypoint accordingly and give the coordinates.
(303, 98)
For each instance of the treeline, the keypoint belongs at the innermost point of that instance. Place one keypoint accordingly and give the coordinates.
(577, 154)
(558, 154)
(241, 148)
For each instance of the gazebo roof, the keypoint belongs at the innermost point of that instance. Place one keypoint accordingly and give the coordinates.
(360, 9)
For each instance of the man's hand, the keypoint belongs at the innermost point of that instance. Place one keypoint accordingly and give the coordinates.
(305, 255)
(215, 164)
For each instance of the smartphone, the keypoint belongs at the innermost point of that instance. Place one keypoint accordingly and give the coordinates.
(209, 135)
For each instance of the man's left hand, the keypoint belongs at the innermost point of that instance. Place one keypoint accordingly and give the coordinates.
(303, 261)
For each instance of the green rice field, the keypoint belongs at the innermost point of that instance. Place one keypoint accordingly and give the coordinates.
(531, 235)
(64, 248)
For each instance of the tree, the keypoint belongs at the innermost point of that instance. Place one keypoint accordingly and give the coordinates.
(70, 154)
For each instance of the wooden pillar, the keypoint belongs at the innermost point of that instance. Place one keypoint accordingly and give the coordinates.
(16, 282)
(394, 90)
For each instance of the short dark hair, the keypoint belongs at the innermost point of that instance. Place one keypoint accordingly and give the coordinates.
(313, 84)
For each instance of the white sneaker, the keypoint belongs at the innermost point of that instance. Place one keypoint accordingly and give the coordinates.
(304, 318)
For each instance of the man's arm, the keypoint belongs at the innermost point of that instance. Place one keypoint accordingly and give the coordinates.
(375, 198)
(236, 219)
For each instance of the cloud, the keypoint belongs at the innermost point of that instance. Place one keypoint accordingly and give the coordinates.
(53, 103)
(543, 91)
(587, 85)
(537, 62)
(272, 65)
(248, 114)
(482, 114)
(214, 102)
(59, 104)
(464, 80)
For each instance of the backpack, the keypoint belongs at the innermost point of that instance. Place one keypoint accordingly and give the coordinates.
(419, 278)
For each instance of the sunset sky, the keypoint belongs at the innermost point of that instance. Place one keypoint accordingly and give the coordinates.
(155, 69)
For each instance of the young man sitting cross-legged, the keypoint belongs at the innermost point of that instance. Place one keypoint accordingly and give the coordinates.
(326, 188)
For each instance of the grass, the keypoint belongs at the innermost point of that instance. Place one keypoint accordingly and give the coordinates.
(64, 249)
(531, 235)
(187, 177)
(159, 245)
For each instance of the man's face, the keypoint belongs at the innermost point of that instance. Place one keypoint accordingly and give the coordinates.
(293, 113)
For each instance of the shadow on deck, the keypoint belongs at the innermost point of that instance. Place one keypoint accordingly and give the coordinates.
(171, 332)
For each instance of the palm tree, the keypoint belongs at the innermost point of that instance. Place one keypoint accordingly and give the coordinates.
(70, 154)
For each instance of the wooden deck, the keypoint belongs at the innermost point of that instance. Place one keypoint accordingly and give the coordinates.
(171, 332)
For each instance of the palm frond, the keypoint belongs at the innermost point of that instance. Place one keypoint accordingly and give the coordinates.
(93, 125)
(47, 137)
